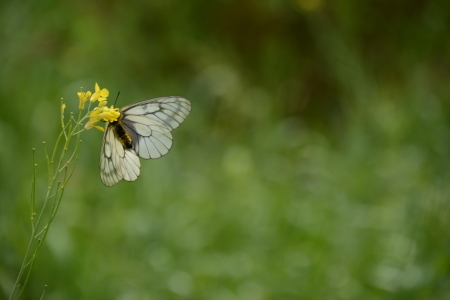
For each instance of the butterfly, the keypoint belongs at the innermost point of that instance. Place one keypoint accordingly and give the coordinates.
(143, 130)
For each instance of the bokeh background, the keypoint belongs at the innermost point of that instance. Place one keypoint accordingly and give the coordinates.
(314, 163)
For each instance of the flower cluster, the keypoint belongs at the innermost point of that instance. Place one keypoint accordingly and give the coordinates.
(101, 112)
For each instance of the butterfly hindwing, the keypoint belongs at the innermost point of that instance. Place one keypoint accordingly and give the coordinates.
(132, 165)
(148, 124)
(150, 139)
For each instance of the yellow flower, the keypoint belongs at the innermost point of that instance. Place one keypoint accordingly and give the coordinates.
(63, 106)
(102, 113)
(99, 94)
(83, 98)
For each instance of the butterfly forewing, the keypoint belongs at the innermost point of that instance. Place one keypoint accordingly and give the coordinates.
(111, 162)
(148, 124)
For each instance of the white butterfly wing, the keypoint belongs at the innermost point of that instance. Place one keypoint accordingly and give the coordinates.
(169, 111)
(116, 161)
(150, 139)
(149, 124)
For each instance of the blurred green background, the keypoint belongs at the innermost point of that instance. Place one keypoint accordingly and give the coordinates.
(314, 163)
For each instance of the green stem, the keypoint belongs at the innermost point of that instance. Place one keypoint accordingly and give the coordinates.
(55, 191)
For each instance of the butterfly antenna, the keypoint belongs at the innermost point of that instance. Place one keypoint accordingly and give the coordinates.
(116, 99)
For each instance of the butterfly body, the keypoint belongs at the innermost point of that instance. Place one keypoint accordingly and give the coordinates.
(121, 134)
(143, 130)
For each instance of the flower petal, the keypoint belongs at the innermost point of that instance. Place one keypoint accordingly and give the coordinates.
(89, 124)
(104, 93)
